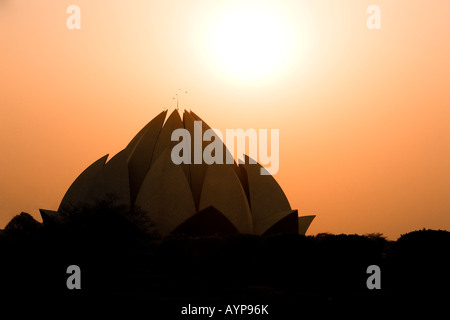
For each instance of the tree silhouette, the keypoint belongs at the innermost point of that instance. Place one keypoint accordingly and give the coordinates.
(23, 223)
(121, 255)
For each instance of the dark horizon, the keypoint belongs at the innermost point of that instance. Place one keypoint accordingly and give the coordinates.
(287, 272)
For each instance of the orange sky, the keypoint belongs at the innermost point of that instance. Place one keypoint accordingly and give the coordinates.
(363, 114)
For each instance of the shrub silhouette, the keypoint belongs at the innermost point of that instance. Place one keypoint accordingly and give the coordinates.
(23, 224)
(343, 261)
(420, 262)
(119, 257)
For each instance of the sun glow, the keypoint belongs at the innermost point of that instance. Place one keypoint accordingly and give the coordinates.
(252, 41)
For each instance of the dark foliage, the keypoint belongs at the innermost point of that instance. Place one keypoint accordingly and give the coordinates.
(420, 262)
(120, 261)
(23, 223)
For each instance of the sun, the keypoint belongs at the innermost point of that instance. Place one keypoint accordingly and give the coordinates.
(251, 41)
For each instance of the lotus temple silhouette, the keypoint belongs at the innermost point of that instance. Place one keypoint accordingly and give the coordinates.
(190, 199)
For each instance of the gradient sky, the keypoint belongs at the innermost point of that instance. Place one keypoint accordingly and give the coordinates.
(363, 114)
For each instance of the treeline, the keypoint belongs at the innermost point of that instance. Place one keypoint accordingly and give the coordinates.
(120, 260)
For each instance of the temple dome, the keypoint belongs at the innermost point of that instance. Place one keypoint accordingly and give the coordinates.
(195, 199)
